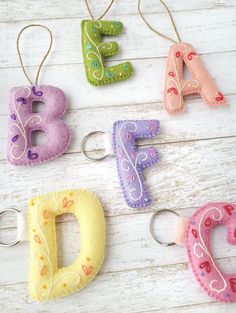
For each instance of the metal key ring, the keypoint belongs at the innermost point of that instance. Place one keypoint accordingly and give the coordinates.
(16, 241)
(166, 244)
(83, 146)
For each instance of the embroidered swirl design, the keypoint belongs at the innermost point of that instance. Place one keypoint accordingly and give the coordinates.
(91, 54)
(216, 216)
(20, 126)
(177, 82)
(130, 166)
(44, 251)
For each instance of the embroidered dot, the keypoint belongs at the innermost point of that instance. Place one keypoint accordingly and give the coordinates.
(202, 274)
(44, 286)
(41, 257)
(64, 285)
(34, 230)
(88, 259)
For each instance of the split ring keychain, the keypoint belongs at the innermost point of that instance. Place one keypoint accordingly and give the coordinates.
(130, 160)
(37, 225)
(94, 50)
(23, 121)
(195, 234)
(176, 87)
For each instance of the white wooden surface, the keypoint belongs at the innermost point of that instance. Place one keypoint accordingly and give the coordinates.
(198, 152)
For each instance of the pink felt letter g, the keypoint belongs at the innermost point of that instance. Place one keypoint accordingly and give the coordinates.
(22, 122)
(201, 82)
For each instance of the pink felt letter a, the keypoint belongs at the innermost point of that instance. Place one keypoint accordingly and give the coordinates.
(201, 82)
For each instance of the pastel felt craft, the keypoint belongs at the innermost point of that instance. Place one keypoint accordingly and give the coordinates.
(94, 50)
(219, 285)
(22, 122)
(131, 160)
(46, 280)
(176, 87)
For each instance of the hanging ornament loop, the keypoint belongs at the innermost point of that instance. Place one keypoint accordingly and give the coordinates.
(44, 58)
(105, 12)
(157, 32)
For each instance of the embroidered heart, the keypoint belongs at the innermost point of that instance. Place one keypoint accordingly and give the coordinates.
(172, 74)
(232, 282)
(128, 136)
(177, 54)
(67, 203)
(43, 270)
(120, 154)
(228, 208)
(219, 97)
(13, 116)
(22, 100)
(208, 222)
(14, 139)
(172, 89)
(87, 269)
(152, 153)
(32, 155)
(37, 93)
(45, 214)
(206, 265)
(130, 178)
(37, 239)
(88, 46)
(194, 232)
(190, 55)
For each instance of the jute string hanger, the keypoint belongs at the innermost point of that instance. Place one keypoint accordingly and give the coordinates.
(156, 31)
(103, 14)
(44, 58)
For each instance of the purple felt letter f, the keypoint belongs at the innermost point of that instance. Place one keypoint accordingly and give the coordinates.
(131, 161)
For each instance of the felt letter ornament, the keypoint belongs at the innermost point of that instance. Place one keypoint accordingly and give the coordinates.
(94, 50)
(22, 120)
(130, 160)
(176, 87)
(46, 280)
(195, 234)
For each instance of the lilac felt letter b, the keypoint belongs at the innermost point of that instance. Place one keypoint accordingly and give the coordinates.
(23, 122)
(131, 161)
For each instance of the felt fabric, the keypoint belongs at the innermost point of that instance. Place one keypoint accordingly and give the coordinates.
(94, 50)
(181, 227)
(131, 160)
(213, 280)
(201, 82)
(22, 122)
(46, 280)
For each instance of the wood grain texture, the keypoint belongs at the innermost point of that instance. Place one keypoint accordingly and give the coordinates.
(198, 153)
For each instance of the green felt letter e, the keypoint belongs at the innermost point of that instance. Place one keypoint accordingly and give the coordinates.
(94, 50)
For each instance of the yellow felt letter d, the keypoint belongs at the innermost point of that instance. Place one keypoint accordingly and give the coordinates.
(47, 281)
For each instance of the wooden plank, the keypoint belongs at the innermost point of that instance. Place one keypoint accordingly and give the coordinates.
(192, 25)
(146, 86)
(124, 233)
(188, 175)
(198, 308)
(173, 129)
(130, 291)
(28, 10)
